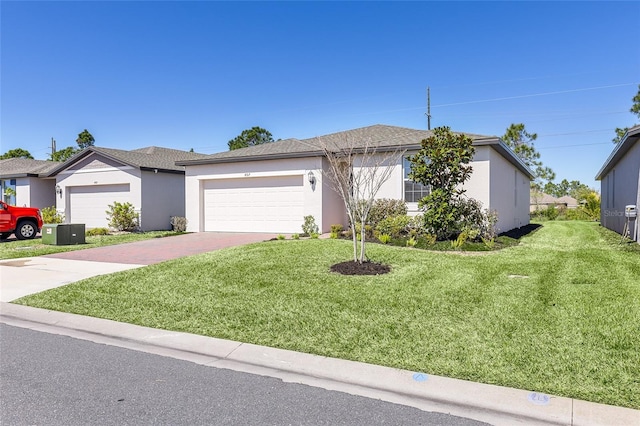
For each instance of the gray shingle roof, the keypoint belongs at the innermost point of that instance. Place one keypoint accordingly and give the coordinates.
(379, 136)
(23, 167)
(152, 157)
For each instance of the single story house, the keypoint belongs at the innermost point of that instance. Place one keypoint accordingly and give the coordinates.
(620, 183)
(540, 201)
(24, 183)
(148, 178)
(271, 187)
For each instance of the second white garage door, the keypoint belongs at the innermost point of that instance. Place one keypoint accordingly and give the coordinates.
(88, 204)
(264, 204)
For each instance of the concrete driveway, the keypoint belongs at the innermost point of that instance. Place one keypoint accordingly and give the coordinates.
(29, 275)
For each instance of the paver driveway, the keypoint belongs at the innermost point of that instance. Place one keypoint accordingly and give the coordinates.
(158, 250)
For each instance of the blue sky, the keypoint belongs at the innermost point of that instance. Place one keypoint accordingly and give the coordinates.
(195, 74)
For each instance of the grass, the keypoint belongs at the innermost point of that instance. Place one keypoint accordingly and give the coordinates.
(559, 313)
(13, 249)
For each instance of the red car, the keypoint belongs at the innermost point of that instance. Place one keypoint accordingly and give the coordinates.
(25, 222)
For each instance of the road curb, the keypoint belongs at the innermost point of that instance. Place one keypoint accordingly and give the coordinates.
(493, 404)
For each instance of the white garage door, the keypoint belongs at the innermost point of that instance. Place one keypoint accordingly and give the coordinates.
(88, 204)
(265, 204)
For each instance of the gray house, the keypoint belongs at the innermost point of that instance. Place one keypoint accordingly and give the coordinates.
(620, 182)
(148, 178)
(24, 182)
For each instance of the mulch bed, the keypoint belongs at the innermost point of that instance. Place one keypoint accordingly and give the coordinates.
(355, 268)
(518, 233)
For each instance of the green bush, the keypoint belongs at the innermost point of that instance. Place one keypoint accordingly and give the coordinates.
(51, 215)
(295, 236)
(384, 208)
(97, 231)
(122, 216)
(309, 226)
(384, 238)
(395, 226)
(280, 237)
(550, 213)
(336, 230)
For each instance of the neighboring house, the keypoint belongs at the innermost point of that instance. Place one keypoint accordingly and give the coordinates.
(620, 182)
(23, 182)
(540, 201)
(271, 187)
(148, 178)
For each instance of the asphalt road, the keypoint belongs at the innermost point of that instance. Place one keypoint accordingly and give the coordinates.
(47, 379)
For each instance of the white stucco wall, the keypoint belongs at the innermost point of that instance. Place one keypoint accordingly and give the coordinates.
(35, 192)
(162, 197)
(509, 193)
(198, 174)
(619, 188)
(95, 170)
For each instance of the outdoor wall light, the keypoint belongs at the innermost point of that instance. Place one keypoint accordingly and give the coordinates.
(312, 178)
(58, 189)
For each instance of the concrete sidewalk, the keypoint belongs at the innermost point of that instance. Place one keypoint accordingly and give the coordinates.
(493, 404)
(30, 275)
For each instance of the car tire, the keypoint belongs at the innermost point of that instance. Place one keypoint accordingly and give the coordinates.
(5, 235)
(26, 230)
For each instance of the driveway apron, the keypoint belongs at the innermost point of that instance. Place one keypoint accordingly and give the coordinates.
(158, 250)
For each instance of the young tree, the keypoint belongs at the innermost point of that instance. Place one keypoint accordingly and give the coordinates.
(442, 164)
(357, 171)
(521, 142)
(85, 139)
(16, 153)
(250, 137)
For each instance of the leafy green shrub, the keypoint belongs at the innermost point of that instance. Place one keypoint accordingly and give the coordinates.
(122, 216)
(411, 242)
(368, 231)
(97, 231)
(384, 238)
(51, 215)
(178, 223)
(489, 243)
(309, 226)
(295, 236)
(394, 226)
(336, 230)
(314, 235)
(430, 239)
(384, 208)
(550, 213)
(577, 214)
(280, 237)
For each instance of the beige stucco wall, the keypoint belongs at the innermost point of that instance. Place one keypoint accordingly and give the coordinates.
(619, 188)
(35, 192)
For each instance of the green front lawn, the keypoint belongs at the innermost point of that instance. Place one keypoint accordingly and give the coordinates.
(559, 313)
(29, 248)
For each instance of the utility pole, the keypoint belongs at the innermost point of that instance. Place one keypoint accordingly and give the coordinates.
(53, 147)
(428, 108)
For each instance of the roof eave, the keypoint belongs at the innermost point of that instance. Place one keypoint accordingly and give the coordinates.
(628, 140)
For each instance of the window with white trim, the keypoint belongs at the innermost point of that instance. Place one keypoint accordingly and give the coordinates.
(413, 191)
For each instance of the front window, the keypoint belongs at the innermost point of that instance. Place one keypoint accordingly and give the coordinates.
(413, 192)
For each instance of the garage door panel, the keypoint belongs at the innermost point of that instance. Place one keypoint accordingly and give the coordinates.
(266, 204)
(88, 204)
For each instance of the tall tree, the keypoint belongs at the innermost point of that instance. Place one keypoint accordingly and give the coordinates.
(521, 142)
(356, 173)
(442, 163)
(635, 109)
(250, 137)
(16, 153)
(62, 154)
(85, 139)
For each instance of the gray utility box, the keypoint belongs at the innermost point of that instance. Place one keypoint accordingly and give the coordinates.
(63, 234)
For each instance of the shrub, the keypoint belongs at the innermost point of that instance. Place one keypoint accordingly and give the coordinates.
(314, 235)
(368, 231)
(295, 236)
(550, 213)
(122, 216)
(489, 242)
(178, 223)
(430, 239)
(336, 230)
(384, 208)
(384, 238)
(309, 226)
(280, 237)
(51, 215)
(97, 231)
(394, 226)
(411, 242)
